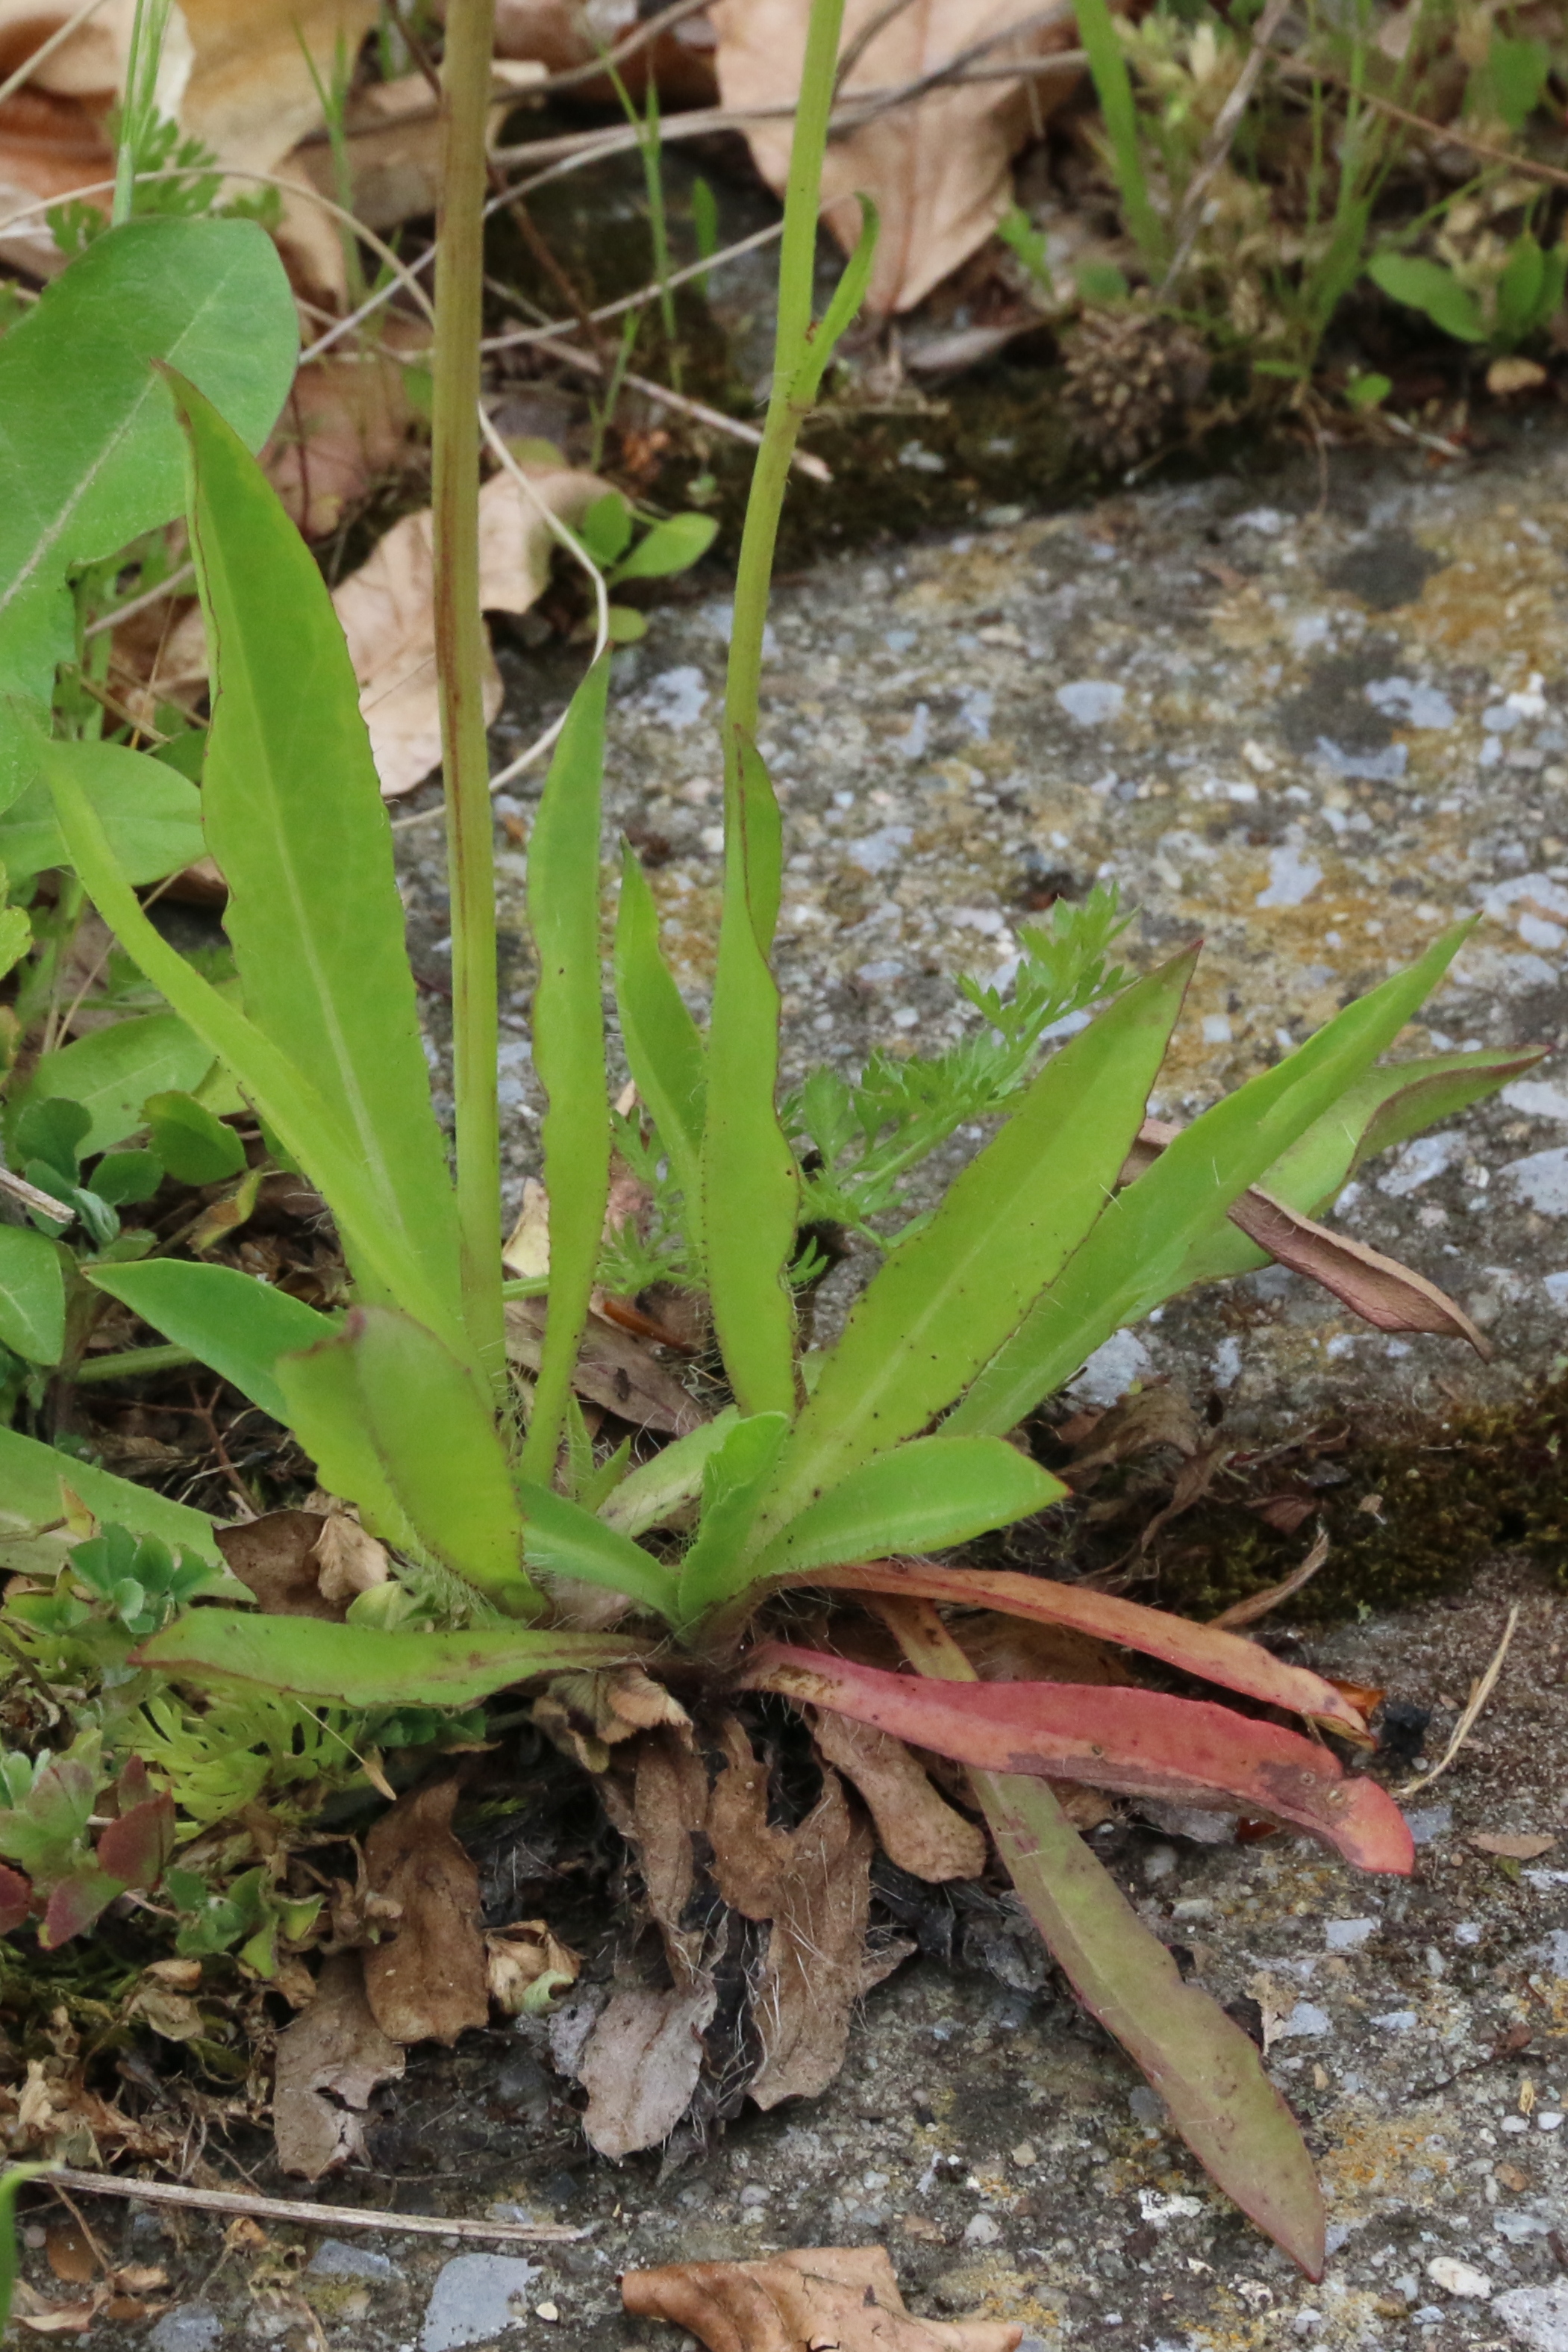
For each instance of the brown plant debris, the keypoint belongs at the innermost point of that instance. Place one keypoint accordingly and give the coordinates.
(429, 1982)
(330, 2063)
(842, 2298)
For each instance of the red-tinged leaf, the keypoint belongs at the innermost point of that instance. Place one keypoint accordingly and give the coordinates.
(135, 1848)
(15, 1900)
(1203, 1650)
(1137, 1743)
(1202, 2064)
(1379, 1289)
(75, 1905)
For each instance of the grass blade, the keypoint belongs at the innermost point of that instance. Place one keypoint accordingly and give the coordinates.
(945, 1300)
(361, 1666)
(286, 1100)
(313, 913)
(238, 1325)
(663, 1047)
(750, 1188)
(1118, 108)
(1136, 1255)
(569, 1050)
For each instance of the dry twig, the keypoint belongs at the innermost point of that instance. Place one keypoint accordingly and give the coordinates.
(319, 2217)
(1480, 1693)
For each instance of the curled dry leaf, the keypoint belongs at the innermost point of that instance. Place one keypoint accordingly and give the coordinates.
(344, 426)
(561, 34)
(839, 2296)
(1511, 1848)
(348, 1561)
(1156, 1416)
(641, 2064)
(429, 1982)
(330, 2063)
(527, 1966)
(937, 170)
(916, 1826)
(392, 139)
(388, 611)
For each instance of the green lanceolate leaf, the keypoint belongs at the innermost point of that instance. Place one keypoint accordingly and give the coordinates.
(562, 1540)
(290, 1105)
(430, 1421)
(924, 1497)
(1134, 1255)
(947, 1299)
(30, 1504)
(1385, 1109)
(1430, 287)
(111, 1072)
(16, 2178)
(673, 545)
(89, 456)
(648, 1496)
(294, 817)
(324, 1407)
(152, 817)
(361, 1666)
(32, 1296)
(664, 1048)
(238, 1325)
(568, 1050)
(750, 1190)
(734, 1479)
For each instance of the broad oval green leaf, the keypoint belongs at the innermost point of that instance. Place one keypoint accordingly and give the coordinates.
(924, 1497)
(238, 1325)
(294, 817)
(33, 1537)
(192, 1145)
(1430, 287)
(949, 1296)
(89, 456)
(111, 1072)
(151, 816)
(561, 1539)
(32, 1296)
(671, 546)
(648, 1496)
(568, 1049)
(361, 1666)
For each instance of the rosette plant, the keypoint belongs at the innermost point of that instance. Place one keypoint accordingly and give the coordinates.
(847, 1469)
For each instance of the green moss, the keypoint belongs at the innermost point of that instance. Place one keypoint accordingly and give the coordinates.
(1451, 1494)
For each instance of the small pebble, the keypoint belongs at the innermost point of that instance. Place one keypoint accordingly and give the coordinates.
(1023, 2155)
(547, 2311)
(1459, 2278)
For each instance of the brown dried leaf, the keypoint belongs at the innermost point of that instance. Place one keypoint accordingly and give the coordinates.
(937, 170)
(343, 427)
(428, 1981)
(667, 1809)
(614, 1369)
(918, 1829)
(1155, 1417)
(523, 1956)
(813, 1884)
(348, 1561)
(839, 2297)
(69, 2256)
(330, 2063)
(387, 612)
(1511, 1848)
(641, 2064)
(276, 1557)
